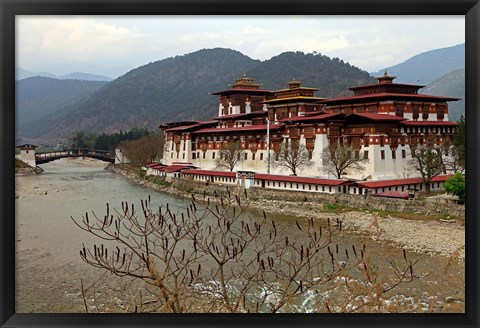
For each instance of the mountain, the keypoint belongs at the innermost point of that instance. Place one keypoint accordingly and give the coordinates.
(38, 97)
(24, 74)
(332, 76)
(424, 68)
(178, 88)
(450, 85)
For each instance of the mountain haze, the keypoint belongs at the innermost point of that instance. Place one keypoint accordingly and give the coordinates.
(450, 85)
(24, 74)
(424, 68)
(178, 88)
(39, 97)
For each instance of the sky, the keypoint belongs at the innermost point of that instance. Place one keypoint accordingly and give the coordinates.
(114, 45)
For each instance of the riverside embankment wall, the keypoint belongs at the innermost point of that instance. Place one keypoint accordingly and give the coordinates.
(356, 201)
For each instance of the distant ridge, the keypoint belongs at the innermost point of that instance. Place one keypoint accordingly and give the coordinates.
(424, 68)
(24, 74)
(450, 85)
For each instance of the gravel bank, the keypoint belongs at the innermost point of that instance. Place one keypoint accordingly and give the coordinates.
(421, 236)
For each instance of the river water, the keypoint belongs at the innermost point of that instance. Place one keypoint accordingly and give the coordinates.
(50, 272)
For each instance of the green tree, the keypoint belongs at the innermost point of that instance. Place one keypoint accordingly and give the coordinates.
(83, 140)
(456, 186)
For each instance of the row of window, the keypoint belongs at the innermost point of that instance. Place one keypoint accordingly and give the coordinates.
(394, 154)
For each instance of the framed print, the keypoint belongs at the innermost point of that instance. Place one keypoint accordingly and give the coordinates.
(213, 163)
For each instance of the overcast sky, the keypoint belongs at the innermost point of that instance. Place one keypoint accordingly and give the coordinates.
(113, 45)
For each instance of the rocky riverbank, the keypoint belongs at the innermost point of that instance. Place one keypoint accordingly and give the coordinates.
(444, 238)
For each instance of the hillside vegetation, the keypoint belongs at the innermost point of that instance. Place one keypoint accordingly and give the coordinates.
(450, 85)
(178, 88)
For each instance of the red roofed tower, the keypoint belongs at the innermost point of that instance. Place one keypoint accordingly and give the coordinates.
(245, 96)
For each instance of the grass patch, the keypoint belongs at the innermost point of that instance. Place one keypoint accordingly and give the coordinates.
(159, 181)
(335, 208)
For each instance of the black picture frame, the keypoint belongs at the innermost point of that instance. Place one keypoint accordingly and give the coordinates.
(11, 8)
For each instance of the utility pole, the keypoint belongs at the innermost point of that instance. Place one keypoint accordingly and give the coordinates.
(268, 146)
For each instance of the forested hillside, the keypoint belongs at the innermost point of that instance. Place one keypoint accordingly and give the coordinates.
(178, 88)
(450, 85)
(40, 97)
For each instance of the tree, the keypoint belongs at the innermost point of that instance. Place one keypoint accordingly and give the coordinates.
(83, 140)
(337, 159)
(428, 160)
(214, 258)
(229, 155)
(146, 149)
(293, 157)
(456, 186)
(458, 150)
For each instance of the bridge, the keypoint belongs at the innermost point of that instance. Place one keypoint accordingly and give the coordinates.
(103, 155)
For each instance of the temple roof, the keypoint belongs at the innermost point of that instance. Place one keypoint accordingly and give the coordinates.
(296, 179)
(310, 118)
(251, 128)
(191, 127)
(293, 99)
(377, 117)
(243, 85)
(430, 123)
(400, 182)
(387, 96)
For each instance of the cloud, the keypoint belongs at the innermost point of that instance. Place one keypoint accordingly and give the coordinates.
(46, 43)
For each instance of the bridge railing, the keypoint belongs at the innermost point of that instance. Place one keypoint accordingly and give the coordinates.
(76, 152)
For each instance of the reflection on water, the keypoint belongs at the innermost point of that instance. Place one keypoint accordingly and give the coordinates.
(49, 267)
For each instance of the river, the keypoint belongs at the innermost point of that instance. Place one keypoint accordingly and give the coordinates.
(49, 270)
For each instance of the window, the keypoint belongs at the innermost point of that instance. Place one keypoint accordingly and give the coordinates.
(261, 156)
(213, 155)
(365, 154)
(204, 153)
(245, 157)
(404, 153)
(382, 154)
(394, 153)
(253, 156)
